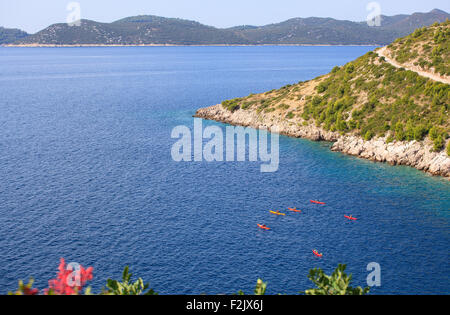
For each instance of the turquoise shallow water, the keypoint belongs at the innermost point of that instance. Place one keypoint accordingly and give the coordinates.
(86, 174)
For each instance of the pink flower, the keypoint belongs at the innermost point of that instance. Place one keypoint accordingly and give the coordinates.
(69, 281)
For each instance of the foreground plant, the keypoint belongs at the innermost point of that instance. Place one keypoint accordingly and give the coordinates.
(259, 290)
(25, 289)
(67, 282)
(115, 287)
(72, 282)
(336, 284)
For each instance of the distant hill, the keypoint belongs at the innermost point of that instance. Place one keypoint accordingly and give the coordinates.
(406, 24)
(148, 29)
(336, 32)
(137, 30)
(318, 31)
(10, 35)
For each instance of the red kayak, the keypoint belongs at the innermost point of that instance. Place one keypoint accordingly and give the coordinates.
(263, 226)
(295, 210)
(317, 202)
(317, 253)
(350, 218)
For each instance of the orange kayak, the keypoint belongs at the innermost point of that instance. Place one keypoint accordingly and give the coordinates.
(350, 218)
(317, 202)
(263, 226)
(317, 253)
(295, 210)
(277, 213)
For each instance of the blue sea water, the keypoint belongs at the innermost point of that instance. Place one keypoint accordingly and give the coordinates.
(86, 174)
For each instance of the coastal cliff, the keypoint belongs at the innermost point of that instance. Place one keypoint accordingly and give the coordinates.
(414, 153)
(374, 107)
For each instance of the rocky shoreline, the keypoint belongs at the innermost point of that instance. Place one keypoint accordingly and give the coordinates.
(414, 154)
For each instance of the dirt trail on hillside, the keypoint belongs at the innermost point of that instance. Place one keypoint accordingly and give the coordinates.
(433, 76)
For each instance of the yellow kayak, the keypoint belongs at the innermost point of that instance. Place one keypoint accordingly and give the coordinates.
(277, 213)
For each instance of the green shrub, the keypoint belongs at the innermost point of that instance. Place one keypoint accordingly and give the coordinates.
(316, 100)
(336, 284)
(438, 143)
(283, 106)
(434, 133)
(368, 136)
(350, 68)
(389, 139)
(419, 132)
(290, 115)
(231, 105)
(322, 87)
(399, 132)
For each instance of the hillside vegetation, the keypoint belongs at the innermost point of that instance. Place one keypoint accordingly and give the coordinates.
(334, 32)
(138, 30)
(367, 97)
(427, 48)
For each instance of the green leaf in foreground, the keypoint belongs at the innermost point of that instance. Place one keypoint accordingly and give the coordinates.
(115, 287)
(260, 288)
(336, 284)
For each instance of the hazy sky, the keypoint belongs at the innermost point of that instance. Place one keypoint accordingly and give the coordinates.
(34, 15)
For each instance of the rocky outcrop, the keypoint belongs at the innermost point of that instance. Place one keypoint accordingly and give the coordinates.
(415, 154)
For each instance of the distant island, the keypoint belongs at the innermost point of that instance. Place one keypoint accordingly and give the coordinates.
(390, 105)
(154, 30)
(11, 35)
